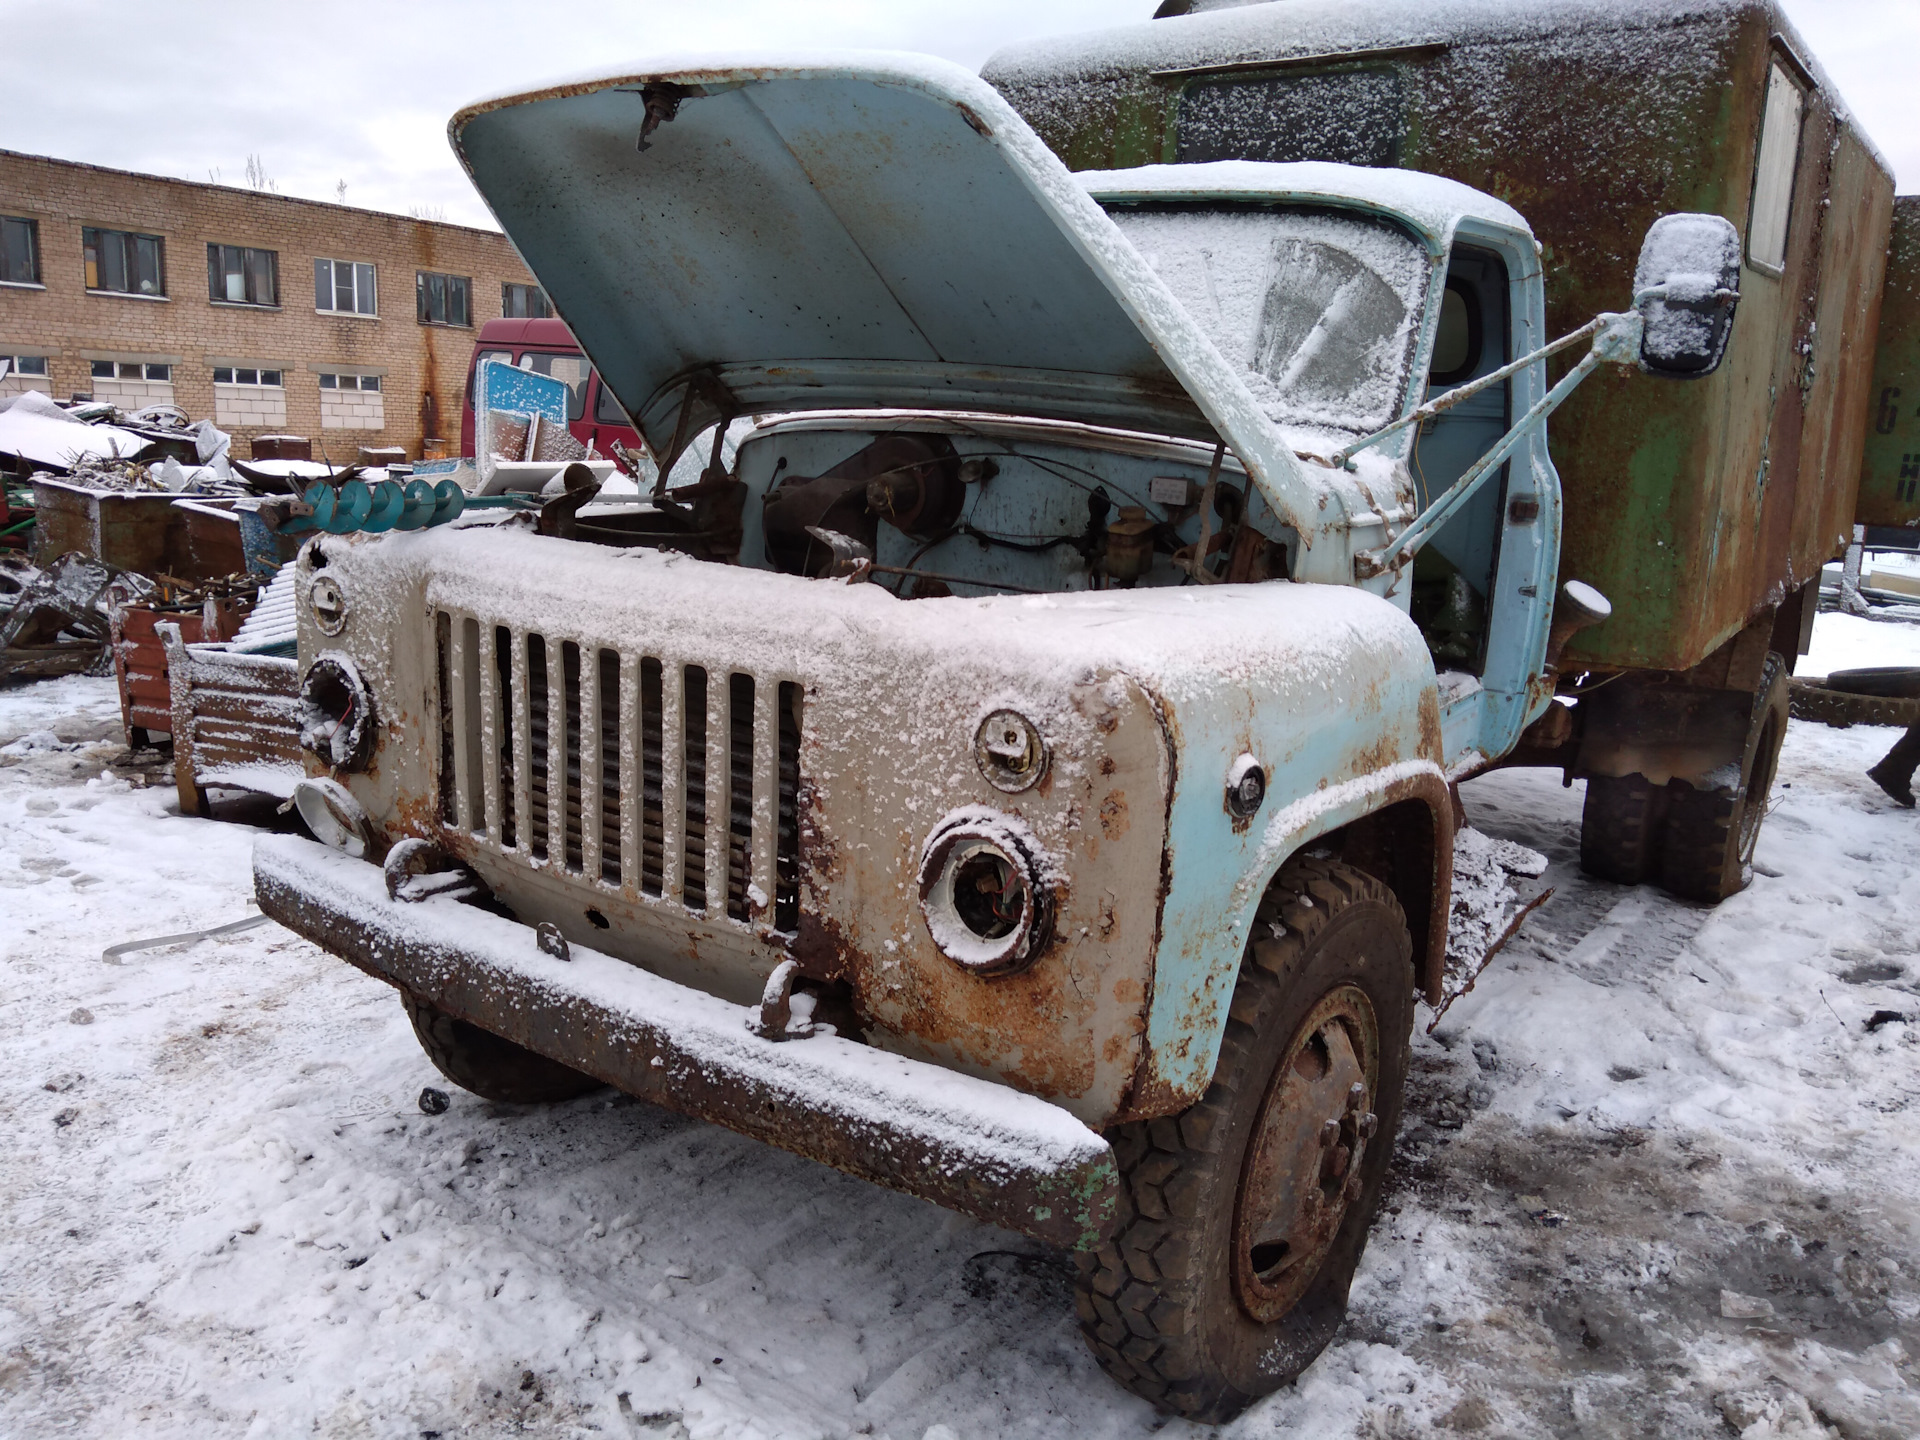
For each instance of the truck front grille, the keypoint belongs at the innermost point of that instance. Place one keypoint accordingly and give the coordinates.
(663, 779)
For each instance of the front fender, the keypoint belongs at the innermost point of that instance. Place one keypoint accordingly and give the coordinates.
(1344, 717)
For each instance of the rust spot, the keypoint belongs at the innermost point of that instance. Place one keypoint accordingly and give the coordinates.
(823, 951)
(1106, 765)
(1430, 746)
(1113, 815)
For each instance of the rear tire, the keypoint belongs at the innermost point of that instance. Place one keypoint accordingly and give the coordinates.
(1708, 854)
(1619, 827)
(490, 1067)
(1243, 1217)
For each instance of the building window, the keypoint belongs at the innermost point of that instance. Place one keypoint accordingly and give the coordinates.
(234, 375)
(443, 299)
(524, 302)
(1773, 171)
(239, 276)
(19, 251)
(122, 263)
(131, 370)
(35, 365)
(343, 287)
(348, 382)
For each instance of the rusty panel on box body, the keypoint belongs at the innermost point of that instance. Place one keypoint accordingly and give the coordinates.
(1890, 465)
(1665, 511)
(1849, 313)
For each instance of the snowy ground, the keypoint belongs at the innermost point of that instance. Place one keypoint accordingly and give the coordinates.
(1657, 1177)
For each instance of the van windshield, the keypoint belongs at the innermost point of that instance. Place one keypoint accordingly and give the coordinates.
(1320, 308)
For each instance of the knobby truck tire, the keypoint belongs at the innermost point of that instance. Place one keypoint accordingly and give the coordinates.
(490, 1067)
(1620, 827)
(1157, 1301)
(1707, 853)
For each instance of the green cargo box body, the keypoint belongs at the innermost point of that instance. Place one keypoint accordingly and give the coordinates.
(1693, 505)
(1890, 471)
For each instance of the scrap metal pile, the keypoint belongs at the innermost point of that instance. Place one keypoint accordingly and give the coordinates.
(135, 544)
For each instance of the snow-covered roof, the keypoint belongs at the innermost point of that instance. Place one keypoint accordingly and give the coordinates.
(1228, 34)
(1243, 33)
(1433, 204)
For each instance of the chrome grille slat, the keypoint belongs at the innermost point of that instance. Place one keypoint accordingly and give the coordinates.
(665, 779)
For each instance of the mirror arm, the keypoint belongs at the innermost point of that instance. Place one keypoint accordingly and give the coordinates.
(1343, 459)
(1616, 341)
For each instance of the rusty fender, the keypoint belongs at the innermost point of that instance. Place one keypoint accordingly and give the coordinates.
(971, 1145)
(1666, 732)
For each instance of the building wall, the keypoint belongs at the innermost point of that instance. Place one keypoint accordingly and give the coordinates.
(421, 368)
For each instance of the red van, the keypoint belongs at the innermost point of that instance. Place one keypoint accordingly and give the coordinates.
(548, 347)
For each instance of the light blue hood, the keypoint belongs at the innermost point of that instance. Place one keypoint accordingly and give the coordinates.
(855, 231)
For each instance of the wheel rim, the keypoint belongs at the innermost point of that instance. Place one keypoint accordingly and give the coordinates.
(1304, 1159)
(1753, 809)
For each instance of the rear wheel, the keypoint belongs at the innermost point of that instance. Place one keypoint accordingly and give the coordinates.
(1619, 827)
(1710, 836)
(492, 1068)
(1244, 1217)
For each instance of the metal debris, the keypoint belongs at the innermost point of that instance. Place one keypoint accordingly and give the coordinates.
(113, 953)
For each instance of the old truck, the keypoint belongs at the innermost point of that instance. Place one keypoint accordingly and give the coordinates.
(1022, 774)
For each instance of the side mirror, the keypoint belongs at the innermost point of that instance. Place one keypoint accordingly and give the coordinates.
(1686, 287)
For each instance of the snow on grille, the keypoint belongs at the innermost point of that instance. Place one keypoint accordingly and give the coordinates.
(656, 777)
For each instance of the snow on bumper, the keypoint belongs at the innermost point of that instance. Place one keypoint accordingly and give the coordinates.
(980, 1148)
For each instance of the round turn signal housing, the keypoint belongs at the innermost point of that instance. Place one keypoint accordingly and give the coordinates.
(1246, 787)
(1010, 751)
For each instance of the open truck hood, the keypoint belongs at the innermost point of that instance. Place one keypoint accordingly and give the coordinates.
(856, 231)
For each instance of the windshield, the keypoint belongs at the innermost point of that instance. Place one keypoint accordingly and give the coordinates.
(1320, 308)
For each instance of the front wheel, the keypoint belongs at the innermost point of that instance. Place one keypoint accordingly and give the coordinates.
(492, 1068)
(1244, 1217)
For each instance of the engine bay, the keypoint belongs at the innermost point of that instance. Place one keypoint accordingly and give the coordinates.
(937, 505)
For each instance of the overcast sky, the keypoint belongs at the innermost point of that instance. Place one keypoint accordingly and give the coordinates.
(360, 92)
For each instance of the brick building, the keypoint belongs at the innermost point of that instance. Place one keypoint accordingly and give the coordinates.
(269, 314)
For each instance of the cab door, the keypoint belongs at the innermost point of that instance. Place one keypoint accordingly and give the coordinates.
(1453, 577)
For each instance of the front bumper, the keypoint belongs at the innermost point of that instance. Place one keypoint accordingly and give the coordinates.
(973, 1146)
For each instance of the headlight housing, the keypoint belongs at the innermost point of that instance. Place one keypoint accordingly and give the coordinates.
(986, 889)
(335, 713)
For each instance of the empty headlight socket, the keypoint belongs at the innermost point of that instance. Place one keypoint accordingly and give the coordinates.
(986, 901)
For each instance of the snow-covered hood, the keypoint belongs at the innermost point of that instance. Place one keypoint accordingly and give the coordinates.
(842, 231)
